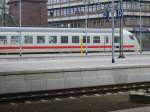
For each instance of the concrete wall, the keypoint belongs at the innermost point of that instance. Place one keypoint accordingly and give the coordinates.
(71, 79)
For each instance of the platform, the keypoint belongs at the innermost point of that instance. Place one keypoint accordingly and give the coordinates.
(11, 65)
(139, 109)
(39, 74)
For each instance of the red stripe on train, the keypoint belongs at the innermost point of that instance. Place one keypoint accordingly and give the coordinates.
(58, 47)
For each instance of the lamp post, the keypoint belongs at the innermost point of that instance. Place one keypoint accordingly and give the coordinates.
(20, 13)
(140, 28)
(112, 14)
(4, 13)
(20, 24)
(121, 55)
(86, 25)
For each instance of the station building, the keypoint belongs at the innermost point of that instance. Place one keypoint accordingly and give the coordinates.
(33, 13)
(4, 17)
(97, 13)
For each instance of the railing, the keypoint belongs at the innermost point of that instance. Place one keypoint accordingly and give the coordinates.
(65, 2)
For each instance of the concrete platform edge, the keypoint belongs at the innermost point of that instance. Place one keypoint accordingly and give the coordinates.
(23, 72)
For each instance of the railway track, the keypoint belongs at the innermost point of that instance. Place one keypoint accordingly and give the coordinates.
(75, 92)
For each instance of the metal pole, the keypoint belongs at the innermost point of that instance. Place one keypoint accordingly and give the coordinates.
(121, 55)
(4, 15)
(20, 12)
(2, 12)
(3, 3)
(86, 25)
(86, 14)
(140, 28)
(20, 40)
(112, 14)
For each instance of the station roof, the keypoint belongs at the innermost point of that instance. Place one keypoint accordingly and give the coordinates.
(57, 30)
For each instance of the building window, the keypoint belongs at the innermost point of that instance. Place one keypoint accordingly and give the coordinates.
(28, 39)
(75, 39)
(40, 39)
(64, 39)
(51, 13)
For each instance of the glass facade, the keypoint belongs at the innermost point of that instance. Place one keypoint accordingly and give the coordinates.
(96, 8)
(3, 12)
(131, 17)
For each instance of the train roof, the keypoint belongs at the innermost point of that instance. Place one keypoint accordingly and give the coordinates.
(57, 30)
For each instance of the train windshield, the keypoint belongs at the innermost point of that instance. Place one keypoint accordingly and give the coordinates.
(132, 37)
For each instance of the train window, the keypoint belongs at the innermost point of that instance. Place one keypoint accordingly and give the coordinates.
(107, 39)
(86, 39)
(3, 40)
(28, 39)
(52, 39)
(64, 39)
(15, 39)
(116, 39)
(40, 39)
(96, 39)
(75, 39)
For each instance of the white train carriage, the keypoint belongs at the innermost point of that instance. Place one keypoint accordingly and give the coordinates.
(35, 40)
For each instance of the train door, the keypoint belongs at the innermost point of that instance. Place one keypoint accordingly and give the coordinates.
(3, 43)
(104, 42)
(116, 42)
(107, 43)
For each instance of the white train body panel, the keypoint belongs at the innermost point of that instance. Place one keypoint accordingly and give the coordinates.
(29, 40)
